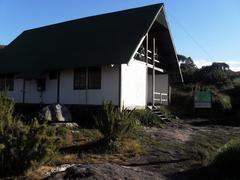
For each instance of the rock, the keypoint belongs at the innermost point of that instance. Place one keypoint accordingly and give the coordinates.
(55, 112)
(70, 125)
(60, 168)
(78, 172)
(104, 172)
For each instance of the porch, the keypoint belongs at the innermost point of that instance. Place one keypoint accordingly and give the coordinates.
(158, 90)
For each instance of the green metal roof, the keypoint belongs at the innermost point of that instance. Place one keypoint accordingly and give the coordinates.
(98, 40)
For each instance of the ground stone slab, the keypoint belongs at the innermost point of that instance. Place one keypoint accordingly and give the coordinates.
(104, 171)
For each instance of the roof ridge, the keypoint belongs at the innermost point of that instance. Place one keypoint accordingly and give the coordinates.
(97, 15)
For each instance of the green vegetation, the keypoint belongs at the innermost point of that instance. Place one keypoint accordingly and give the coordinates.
(23, 146)
(147, 118)
(216, 78)
(114, 124)
(225, 163)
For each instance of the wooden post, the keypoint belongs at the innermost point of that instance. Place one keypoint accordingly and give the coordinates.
(153, 71)
(146, 59)
(23, 91)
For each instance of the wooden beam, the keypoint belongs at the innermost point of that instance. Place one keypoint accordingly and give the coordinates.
(156, 68)
(146, 59)
(153, 72)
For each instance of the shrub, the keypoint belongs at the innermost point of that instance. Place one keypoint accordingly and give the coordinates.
(182, 103)
(114, 124)
(226, 162)
(131, 147)
(23, 146)
(221, 102)
(147, 118)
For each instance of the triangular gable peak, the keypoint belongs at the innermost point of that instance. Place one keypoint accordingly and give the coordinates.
(159, 30)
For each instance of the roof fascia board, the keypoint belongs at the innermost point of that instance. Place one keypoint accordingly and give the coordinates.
(154, 19)
(170, 34)
(136, 49)
(139, 44)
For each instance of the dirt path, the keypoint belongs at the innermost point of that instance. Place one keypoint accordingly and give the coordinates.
(181, 147)
(170, 153)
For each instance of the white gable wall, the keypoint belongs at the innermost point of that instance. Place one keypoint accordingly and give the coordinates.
(134, 84)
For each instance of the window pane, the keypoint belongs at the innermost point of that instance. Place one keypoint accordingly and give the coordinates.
(80, 78)
(94, 78)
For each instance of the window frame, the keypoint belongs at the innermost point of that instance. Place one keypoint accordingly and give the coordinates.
(92, 78)
(79, 85)
(93, 73)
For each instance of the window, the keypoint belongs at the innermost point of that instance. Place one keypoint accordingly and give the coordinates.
(80, 78)
(87, 78)
(94, 78)
(41, 85)
(6, 82)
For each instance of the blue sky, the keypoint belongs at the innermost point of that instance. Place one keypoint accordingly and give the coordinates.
(206, 30)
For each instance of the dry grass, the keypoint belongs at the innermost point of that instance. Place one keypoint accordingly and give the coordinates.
(37, 174)
(131, 147)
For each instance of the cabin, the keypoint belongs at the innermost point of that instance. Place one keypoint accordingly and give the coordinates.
(127, 57)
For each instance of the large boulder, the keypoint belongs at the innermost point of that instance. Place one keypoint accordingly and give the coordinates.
(55, 112)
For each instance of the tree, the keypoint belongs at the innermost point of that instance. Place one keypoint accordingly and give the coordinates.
(188, 68)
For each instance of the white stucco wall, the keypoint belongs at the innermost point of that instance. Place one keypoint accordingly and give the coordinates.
(16, 94)
(161, 85)
(48, 96)
(133, 88)
(134, 84)
(109, 88)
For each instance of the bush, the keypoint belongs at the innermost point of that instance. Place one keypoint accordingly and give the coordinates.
(131, 147)
(182, 103)
(221, 102)
(226, 162)
(147, 118)
(114, 124)
(23, 146)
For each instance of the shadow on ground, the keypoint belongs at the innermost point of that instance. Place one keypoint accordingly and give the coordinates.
(94, 147)
(213, 122)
